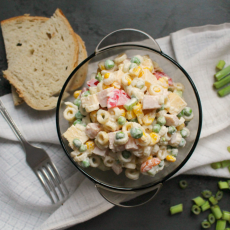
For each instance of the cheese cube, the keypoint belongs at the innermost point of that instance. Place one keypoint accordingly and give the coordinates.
(149, 78)
(176, 103)
(90, 103)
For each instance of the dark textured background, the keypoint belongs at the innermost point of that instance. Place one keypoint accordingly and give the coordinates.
(93, 20)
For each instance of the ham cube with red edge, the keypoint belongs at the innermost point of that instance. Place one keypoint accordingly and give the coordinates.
(102, 96)
(117, 168)
(150, 102)
(162, 74)
(100, 152)
(117, 98)
(92, 82)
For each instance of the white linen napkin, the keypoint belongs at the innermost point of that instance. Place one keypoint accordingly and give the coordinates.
(24, 204)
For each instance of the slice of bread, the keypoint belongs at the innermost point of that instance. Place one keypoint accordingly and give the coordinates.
(43, 65)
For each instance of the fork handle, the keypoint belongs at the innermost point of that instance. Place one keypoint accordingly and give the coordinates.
(11, 123)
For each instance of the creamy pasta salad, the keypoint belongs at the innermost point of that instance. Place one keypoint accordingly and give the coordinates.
(132, 117)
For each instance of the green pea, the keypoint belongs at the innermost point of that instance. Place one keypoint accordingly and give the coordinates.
(77, 142)
(78, 115)
(77, 102)
(134, 120)
(182, 142)
(181, 114)
(109, 64)
(172, 129)
(161, 120)
(178, 92)
(136, 60)
(86, 93)
(120, 135)
(140, 84)
(187, 111)
(136, 133)
(99, 77)
(121, 120)
(82, 148)
(126, 154)
(78, 121)
(156, 128)
(184, 133)
(85, 163)
(132, 65)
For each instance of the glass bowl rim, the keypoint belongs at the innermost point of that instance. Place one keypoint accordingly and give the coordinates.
(177, 168)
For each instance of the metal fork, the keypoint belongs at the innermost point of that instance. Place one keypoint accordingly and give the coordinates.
(40, 163)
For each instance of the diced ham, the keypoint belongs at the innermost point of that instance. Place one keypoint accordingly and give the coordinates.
(92, 82)
(117, 168)
(100, 152)
(118, 148)
(150, 102)
(111, 139)
(117, 98)
(92, 129)
(175, 139)
(171, 120)
(102, 96)
(131, 144)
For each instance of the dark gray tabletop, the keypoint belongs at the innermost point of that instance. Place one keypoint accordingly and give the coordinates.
(92, 20)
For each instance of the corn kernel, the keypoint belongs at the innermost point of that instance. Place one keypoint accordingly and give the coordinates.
(129, 80)
(93, 116)
(171, 158)
(150, 157)
(180, 127)
(116, 85)
(135, 71)
(154, 138)
(148, 120)
(150, 68)
(157, 89)
(106, 75)
(141, 73)
(137, 109)
(122, 112)
(106, 86)
(101, 65)
(164, 82)
(77, 93)
(130, 115)
(90, 145)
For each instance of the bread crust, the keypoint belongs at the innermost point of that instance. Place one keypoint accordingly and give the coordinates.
(23, 17)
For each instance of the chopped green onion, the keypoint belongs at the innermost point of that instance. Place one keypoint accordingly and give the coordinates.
(216, 211)
(130, 104)
(211, 218)
(221, 74)
(219, 195)
(205, 224)
(176, 209)
(78, 121)
(134, 120)
(216, 165)
(199, 201)
(196, 209)
(206, 193)
(220, 224)
(221, 83)
(225, 163)
(183, 184)
(205, 206)
(226, 215)
(178, 92)
(213, 200)
(229, 168)
(85, 94)
(99, 77)
(220, 65)
(223, 185)
(225, 91)
(228, 148)
(227, 228)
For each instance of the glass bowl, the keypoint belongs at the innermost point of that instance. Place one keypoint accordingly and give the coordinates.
(118, 189)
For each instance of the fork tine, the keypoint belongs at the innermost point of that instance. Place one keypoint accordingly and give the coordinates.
(56, 173)
(55, 180)
(49, 182)
(44, 185)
